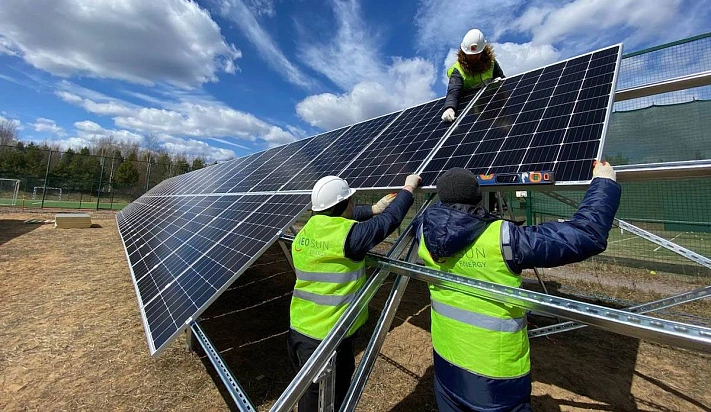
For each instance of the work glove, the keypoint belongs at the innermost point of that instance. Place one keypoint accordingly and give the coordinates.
(498, 79)
(412, 182)
(448, 115)
(604, 170)
(379, 207)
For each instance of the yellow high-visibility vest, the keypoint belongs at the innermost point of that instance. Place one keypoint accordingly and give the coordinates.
(483, 336)
(326, 280)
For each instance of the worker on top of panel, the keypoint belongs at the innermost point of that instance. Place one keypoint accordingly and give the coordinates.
(481, 351)
(475, 65)
(329, 261)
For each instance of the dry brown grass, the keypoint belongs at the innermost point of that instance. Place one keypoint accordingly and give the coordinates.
(72, 339)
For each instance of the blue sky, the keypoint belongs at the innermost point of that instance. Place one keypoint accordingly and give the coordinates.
(223, 78)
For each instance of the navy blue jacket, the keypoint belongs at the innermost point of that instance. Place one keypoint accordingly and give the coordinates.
(449, 228)
(371, 230)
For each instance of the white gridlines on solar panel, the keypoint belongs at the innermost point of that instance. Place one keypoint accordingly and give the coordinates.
(203, 276)
(551, 118)
(338, 155)
(401, 148)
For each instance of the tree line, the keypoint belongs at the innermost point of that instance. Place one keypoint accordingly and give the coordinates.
(104, 166)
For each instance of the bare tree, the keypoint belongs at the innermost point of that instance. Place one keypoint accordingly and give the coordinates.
(8, 132)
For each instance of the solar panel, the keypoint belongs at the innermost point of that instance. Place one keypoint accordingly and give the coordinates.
(550, 119)
(191, 236)
(338, 155)
(185, 250)
(402, 147)
(298, 163)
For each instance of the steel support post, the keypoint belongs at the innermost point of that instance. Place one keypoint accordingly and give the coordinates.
(643, 308)
(327, 386)
(325, 350)
(618, 321)
(233, 387)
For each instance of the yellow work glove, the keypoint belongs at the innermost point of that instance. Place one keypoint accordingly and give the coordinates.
(379, 207)
(604, 170)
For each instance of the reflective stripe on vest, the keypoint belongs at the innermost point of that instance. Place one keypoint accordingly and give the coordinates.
(479, 320)
(329, 277)
(326, 280)
(471, 80)
(327, 300)
(483, 336)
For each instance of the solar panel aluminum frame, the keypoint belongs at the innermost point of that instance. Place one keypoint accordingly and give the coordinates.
(608, 113)
(445, 136)
(156, 351)
(567, 185)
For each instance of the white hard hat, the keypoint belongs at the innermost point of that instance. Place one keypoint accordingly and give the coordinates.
(328, 192)
(473, 42)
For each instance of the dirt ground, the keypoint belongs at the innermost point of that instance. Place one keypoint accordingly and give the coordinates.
(71, 338)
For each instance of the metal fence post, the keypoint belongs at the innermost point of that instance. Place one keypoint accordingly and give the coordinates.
(101, 178)
(46, 176)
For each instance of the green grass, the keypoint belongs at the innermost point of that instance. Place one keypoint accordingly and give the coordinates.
(627, 245)
(63, 204)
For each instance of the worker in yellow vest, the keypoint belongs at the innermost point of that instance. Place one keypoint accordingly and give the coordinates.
(481, 352)
(329, 261)
(475, 65)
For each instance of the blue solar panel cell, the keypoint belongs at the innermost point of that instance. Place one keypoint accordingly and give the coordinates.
(343, 151)
(401, 149)
(300, 163)
(189, 248)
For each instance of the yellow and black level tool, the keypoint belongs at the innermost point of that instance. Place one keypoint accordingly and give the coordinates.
(519, 178)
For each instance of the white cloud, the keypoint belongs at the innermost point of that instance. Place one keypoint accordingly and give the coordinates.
(43, 125)
(146, 42)
(518, 58)
(354, 46)
(371, 86)
(409, 83)
(194, 116)
(104, 106)
(590, 24)
(442, 26)
(196, 148)
(91, 131)
(17, 123)
(240, 14)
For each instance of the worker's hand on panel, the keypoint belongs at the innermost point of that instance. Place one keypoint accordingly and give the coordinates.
(604, 170)
(411, 182)
(448, 115)
(498, 79)
(379, 207)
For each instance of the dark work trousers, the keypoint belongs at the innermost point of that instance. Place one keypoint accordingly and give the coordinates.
(300, 349)
(458, 390)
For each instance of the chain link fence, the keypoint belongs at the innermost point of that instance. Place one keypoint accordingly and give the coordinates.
(76, 180)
